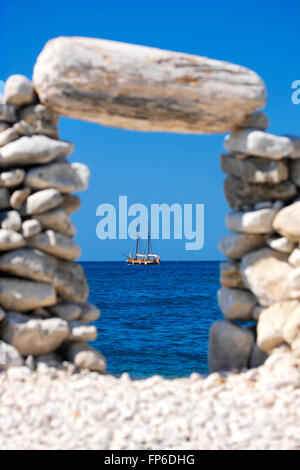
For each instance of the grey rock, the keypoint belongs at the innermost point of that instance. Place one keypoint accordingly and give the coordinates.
(88, 312)
(255, 169)
(239, 192)
(264, 205)
(9, 135)
(33, 336)
(4, 125)
(2, 314)
(70, 203)
(38, 127)
(31, 227)
(56, 244)
(136, 87)
(295, 153)
(230, 346)
(11, 178)
(83, 174)
(57, 220)
(295, 171)
(10, 240)
(84, 357)
(257, 120)
(68, 311)
(4, 198)
(258, 143)
(22, 295)
(9, 356)
(61, 176)
(236, 245)
(38, 112)
(43, 201)
(19, 91)
(230, 274)
(257, 221)
(236, 304)
(67, 277)
(258, 357)
(7, 113)
(10, 220)
(81, 332)
(29, 150)
(50, 360)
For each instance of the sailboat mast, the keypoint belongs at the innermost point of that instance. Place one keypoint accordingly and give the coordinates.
(148, 241)
(137, 241)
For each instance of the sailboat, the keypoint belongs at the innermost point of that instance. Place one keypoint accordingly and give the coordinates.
(143, 259)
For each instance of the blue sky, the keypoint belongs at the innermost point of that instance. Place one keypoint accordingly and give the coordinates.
(263, 36)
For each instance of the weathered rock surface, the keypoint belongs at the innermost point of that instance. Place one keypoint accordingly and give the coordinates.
(7, 113)
(230, 274)
(57, 220)
(33, 150)
(280, 323)
(68, 311)
(266, 273)
(257, 120)
(61, 176)
(10, 220)
(255, 169)
(23, 295)
(239, 193)
(9, 356)
(33, 336)
(81, 332)
(18, 91)
(236, 304)
(38, 127)
(136, 87)
(236, 245)
(230, 346)
(43, 201)
(55, 244)
(18, 197)
(258, 143)
(67, 277)
(287, 222)
(282, 244)
(257, 221)
(9, 135)
(31, 227)
(38, 112)
(10, 240)
(70, 203)
(89, 312)
(84, 357)
(12, 178)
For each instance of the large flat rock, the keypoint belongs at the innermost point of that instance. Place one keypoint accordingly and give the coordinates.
(142, 88)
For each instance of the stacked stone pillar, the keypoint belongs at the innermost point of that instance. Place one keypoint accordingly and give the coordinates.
(260, 281)
(44, 313)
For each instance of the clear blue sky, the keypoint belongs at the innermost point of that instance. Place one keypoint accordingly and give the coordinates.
(262, 35)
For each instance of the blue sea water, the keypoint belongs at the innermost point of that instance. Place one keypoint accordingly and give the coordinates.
(155, 319)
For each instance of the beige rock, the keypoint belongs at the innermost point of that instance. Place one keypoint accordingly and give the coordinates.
(36, 149)
(18, 197)
(67, 277)
(142, 88)
(89, 312)
(258, 143)
(281, 244)
(9, 356)
(68, 311)
(257, 120)
(257, 221)
(19, 91)
(12, 178)
(58, 220)
(56, 244)
(61, 176)
(84, 357)
(236, 245)
(9, 135)
(239, 192)
(70, 203)
(81, 332)
(10, 240)
(230, 346)
(43, 201)
(10, 220)
(266, 273)
(236, 304)
(294, 258)
(31, 227)
(22, 295)
(230, 274)
(33, 336)
(287, 222)
(255, 169)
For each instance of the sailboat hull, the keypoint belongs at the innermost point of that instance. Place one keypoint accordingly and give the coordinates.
(143, 262)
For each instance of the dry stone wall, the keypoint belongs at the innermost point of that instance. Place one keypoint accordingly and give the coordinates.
(260, 281)
(44, 313)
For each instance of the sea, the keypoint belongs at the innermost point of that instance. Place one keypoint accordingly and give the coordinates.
(154, 320)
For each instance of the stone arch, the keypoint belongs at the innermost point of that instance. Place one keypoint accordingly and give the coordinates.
(147, 89)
